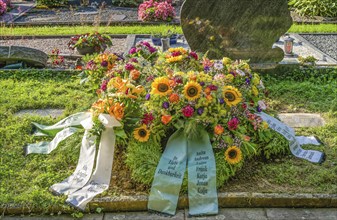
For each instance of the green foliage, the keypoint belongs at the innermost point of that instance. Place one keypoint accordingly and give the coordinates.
(142, 158)
(326, 8)
(52, 3)
(127, 3)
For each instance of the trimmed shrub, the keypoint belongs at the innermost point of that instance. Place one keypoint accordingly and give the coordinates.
(325, 8)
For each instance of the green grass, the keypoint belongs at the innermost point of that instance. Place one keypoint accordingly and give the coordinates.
(136, 29)
(25, 180)
(313, 28)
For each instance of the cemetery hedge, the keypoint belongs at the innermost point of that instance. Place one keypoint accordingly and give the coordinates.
(25, 180)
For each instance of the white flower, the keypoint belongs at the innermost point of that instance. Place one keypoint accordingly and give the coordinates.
(261, 84)
(240, 72)
(218, 66)
(262, 105)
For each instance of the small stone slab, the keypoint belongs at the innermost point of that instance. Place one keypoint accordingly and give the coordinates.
(49, 112)
(44, 19)
(87, 13)
(310, 214)
(117, 17)
(236, 214)
(142, 216)
(299, 120)
(239, 29)
(15, 54)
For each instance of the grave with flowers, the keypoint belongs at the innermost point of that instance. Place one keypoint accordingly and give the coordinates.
(179, 110)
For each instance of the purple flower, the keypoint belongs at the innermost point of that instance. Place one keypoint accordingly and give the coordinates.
(148, 96)
(133, 60)
(166, 105)
(104, 85)
(213, 87)
(129, 66)
(104, 63)
(247, 81)
(194, 55)
(146, 43)
(132, 50)
(221, 101)
(202, 83)
(258, 109)
(200, 111)
(206, 69)
(152, 49)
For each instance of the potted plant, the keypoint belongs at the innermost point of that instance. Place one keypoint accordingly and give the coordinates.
(90, 43)
(156, 38)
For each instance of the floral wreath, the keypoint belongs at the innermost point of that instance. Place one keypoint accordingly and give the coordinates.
(182, 89)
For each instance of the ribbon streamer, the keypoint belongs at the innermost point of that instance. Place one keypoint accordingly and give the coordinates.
(100, 180)
(294, 141)
(202, 193)
(81, 187)
(197, 152)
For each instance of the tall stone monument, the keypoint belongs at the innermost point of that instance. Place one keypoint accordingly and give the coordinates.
(239, 29)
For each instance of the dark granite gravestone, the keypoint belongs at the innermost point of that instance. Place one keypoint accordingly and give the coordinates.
(239, 29)
(29, 56)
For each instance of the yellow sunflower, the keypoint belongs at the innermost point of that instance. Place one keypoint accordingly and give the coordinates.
(233, 155)
(192, 90)
(161, 86)
(232, 96)
(141, 133)
(172, 59)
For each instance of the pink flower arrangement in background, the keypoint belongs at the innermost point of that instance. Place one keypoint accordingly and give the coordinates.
(156, 11)
(3, 7)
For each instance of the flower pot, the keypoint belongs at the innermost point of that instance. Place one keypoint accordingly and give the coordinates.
(157, 40)
(86, 50)
(165, 44)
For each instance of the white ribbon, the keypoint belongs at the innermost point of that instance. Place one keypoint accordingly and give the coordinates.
(81, 187)
(294, 141)
(100, 180)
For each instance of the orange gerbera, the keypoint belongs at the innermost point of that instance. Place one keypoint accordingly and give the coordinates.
(218, 129)
(117, 110)
(166, 119)
(98, 106)
(134, 74)
(174, 98)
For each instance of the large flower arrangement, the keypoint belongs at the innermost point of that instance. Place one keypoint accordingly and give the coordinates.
(181, 89)
(156, 11)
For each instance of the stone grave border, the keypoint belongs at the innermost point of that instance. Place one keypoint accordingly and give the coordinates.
(226, 200)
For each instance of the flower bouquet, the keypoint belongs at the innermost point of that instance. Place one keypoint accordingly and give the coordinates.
(90, 43)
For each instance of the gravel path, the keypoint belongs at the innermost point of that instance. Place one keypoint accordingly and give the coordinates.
(48, 44)
(327, 43)
(84, 14)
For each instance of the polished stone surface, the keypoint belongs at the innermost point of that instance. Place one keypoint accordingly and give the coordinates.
(239, 29)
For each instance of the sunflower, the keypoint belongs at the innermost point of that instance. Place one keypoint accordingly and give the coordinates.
(233, 155)
(232, 96)
(192, 90)
(141, 133)
(161, 86)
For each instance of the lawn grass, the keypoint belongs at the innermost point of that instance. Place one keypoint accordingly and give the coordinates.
(136, 29)
(25, 180)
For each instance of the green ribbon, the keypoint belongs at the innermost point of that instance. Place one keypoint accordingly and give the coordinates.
(60, 131)
(169, 175)
(197, 152)
(202, 194)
